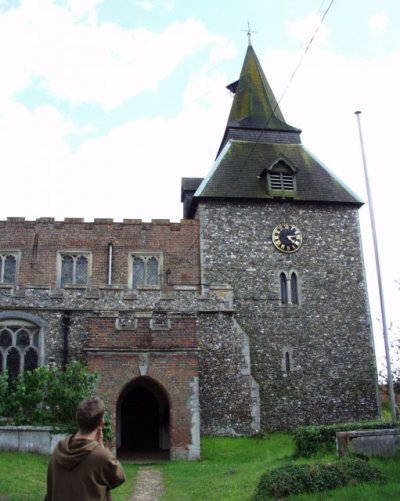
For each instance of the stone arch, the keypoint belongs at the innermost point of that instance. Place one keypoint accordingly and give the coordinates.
(143, 417)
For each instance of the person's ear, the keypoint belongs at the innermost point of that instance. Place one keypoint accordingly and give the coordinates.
(101, 422)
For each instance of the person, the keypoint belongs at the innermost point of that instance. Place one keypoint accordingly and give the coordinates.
(80, 467)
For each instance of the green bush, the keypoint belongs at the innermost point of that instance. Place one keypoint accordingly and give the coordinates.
(311, 440)
(299, 478)
(46, 396)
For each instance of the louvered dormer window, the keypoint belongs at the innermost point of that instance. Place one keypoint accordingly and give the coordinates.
(280, 179)
(281, 182)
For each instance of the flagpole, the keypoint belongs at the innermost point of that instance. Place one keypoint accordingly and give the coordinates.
(379, 276)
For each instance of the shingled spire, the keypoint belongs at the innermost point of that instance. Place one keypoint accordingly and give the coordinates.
(261, 156)
(254, 106)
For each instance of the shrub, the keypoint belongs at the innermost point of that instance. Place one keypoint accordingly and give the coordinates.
(47, 396)
(311, 440)
(299, 478)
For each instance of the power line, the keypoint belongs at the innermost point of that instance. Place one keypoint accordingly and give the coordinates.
(297, 67)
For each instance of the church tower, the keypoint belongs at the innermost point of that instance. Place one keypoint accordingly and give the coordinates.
(282, 233)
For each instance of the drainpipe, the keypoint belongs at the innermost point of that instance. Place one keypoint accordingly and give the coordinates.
(66, 322)
(110, 258)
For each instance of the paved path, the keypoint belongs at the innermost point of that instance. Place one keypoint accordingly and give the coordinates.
(148, 485)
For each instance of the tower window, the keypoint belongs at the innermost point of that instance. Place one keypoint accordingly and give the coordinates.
(281, 182)
(289, 290)
(294, 297)
(283, 285)
(287, 361)
(280, 179)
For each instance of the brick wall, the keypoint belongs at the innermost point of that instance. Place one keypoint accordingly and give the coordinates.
(40, 240)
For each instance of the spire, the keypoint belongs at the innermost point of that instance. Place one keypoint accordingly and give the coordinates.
(254, 105)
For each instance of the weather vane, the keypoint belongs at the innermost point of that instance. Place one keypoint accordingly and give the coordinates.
(249, 32)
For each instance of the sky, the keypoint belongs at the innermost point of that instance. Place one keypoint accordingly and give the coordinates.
(106, 104)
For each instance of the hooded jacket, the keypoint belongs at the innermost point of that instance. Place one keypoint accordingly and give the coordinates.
(82, 470)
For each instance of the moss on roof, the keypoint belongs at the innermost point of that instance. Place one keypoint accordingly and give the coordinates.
(238, 167)
(254, 104)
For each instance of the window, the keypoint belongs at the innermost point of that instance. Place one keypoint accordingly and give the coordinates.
(19, 347)
(8, 267)
(280, 179)
(283, 285)
(287, 360)
(74, 269)
(289, 292)
(145, 270)
(293, 289)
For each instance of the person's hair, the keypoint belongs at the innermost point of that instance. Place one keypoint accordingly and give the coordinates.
(89, 413)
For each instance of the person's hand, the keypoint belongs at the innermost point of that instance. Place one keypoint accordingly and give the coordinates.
(99, 436)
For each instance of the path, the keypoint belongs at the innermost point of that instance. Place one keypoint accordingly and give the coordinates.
(148, 485)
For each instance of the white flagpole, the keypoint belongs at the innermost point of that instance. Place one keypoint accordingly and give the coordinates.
(379, 276)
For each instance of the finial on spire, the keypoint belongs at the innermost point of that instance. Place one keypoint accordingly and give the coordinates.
(249, 32)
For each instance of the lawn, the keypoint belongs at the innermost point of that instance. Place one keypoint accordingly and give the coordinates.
(23, 478)
(229, 471)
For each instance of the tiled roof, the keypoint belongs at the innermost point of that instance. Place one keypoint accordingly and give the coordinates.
(237, 170)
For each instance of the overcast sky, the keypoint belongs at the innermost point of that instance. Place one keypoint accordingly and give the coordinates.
(106, 104)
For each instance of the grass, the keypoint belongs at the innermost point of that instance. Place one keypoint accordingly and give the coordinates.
(23, 478)
(229, 471)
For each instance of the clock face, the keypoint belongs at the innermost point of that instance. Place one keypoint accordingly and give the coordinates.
(287, 238)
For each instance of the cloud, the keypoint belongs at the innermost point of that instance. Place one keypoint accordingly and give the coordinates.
(83, 62)
(378, 22)
(304, 28)
(155, 4)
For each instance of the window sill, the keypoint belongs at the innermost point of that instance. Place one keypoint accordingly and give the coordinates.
(75, 286)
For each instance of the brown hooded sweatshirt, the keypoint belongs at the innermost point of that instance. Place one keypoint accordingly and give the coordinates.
(82, 470)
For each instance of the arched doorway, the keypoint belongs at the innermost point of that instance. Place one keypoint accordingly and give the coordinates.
(143, 419)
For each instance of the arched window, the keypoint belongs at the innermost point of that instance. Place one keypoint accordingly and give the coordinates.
(287, 361)
(294, 297)
(283, 285)
(289, 289)
(20, 345)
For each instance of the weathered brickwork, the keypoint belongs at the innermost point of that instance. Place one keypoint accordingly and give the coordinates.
(180, 336)
(327, 334)
(40, 241)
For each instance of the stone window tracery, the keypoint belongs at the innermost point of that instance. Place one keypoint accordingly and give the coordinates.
(19, 347)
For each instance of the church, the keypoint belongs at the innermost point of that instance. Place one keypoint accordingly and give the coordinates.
(249, 315)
